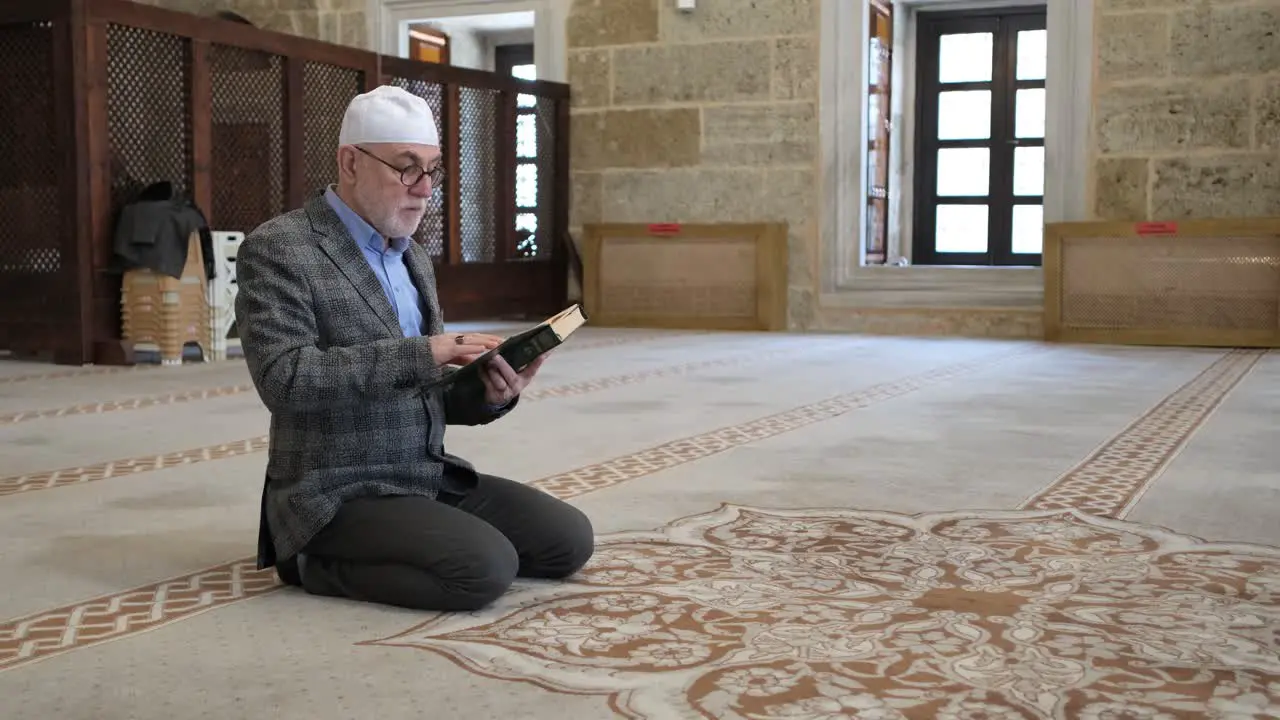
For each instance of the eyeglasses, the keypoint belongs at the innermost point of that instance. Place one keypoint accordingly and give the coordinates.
(411, 174)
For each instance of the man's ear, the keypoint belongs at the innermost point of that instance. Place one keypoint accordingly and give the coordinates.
(346, 162)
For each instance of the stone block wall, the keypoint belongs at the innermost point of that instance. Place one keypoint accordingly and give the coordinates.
(710, 116)
(335, 21)
(1187, 109)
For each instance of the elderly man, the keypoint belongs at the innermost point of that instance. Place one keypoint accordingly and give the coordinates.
(341, 327)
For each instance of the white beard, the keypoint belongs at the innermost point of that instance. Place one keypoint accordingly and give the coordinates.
(391, 223)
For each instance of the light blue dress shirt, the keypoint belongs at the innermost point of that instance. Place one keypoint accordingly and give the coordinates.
(387, 261)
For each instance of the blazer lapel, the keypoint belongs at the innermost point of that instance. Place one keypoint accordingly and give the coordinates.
(424, 278)
(337, 243)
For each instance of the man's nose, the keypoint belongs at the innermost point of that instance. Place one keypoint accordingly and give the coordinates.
(422, 188)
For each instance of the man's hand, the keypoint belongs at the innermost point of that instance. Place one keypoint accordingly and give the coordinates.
(502, 384)
(461, 348)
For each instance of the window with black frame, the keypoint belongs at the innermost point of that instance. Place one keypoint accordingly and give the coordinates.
(980, 109)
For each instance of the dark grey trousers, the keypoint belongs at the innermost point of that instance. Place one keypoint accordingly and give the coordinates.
(452, 553)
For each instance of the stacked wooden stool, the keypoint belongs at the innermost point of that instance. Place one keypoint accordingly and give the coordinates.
(166, 311)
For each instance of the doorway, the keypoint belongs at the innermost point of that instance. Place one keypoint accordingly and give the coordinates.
(427, 44)
(980, 109)
(470, 41)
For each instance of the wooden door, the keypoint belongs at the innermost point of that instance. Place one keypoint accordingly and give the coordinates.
(505, 268)
(517, 61)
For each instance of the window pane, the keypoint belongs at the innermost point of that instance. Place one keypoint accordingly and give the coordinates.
(1028, 228)
(1033, 54)
(964, 171)
(527, 247)
(964, 57)
(527, 136)
(525, 72)
(875, 226)
(964, 115)
(874, 64)
(1028, 171)
(961, 228)
(1028, 119)
(526, 185)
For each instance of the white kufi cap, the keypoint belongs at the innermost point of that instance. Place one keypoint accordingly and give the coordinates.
(388, 114)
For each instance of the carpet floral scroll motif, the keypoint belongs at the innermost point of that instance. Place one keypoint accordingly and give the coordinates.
(748, 613)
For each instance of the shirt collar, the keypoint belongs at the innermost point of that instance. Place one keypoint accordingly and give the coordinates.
(363, 233)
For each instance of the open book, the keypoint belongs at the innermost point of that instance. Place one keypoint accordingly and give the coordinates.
(522, 348)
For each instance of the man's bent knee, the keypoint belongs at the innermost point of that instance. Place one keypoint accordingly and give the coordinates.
(581, 537)
(464, 580)
(477, 579)
(574, 545)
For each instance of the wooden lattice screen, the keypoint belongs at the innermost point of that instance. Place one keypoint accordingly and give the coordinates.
(38, 278)
(248, 156)
(326, 90)
(431, 233)
(148, 110)
(476, 172)
(1198, 283)
(100, 99)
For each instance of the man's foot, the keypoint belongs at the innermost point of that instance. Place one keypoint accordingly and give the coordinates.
(289, 571)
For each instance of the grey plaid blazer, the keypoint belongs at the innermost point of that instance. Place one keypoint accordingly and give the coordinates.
(328, 359)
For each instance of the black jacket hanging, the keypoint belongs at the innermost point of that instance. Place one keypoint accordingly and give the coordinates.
(154, 229)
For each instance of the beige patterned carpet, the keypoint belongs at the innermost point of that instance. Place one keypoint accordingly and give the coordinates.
(798, 527)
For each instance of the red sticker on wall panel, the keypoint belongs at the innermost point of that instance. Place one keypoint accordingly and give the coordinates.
(1156, 228)
(664, 229)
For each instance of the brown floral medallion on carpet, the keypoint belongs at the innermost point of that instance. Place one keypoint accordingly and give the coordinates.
(755, 613)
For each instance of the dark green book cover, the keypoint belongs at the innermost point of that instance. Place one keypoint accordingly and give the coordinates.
(522, 348)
